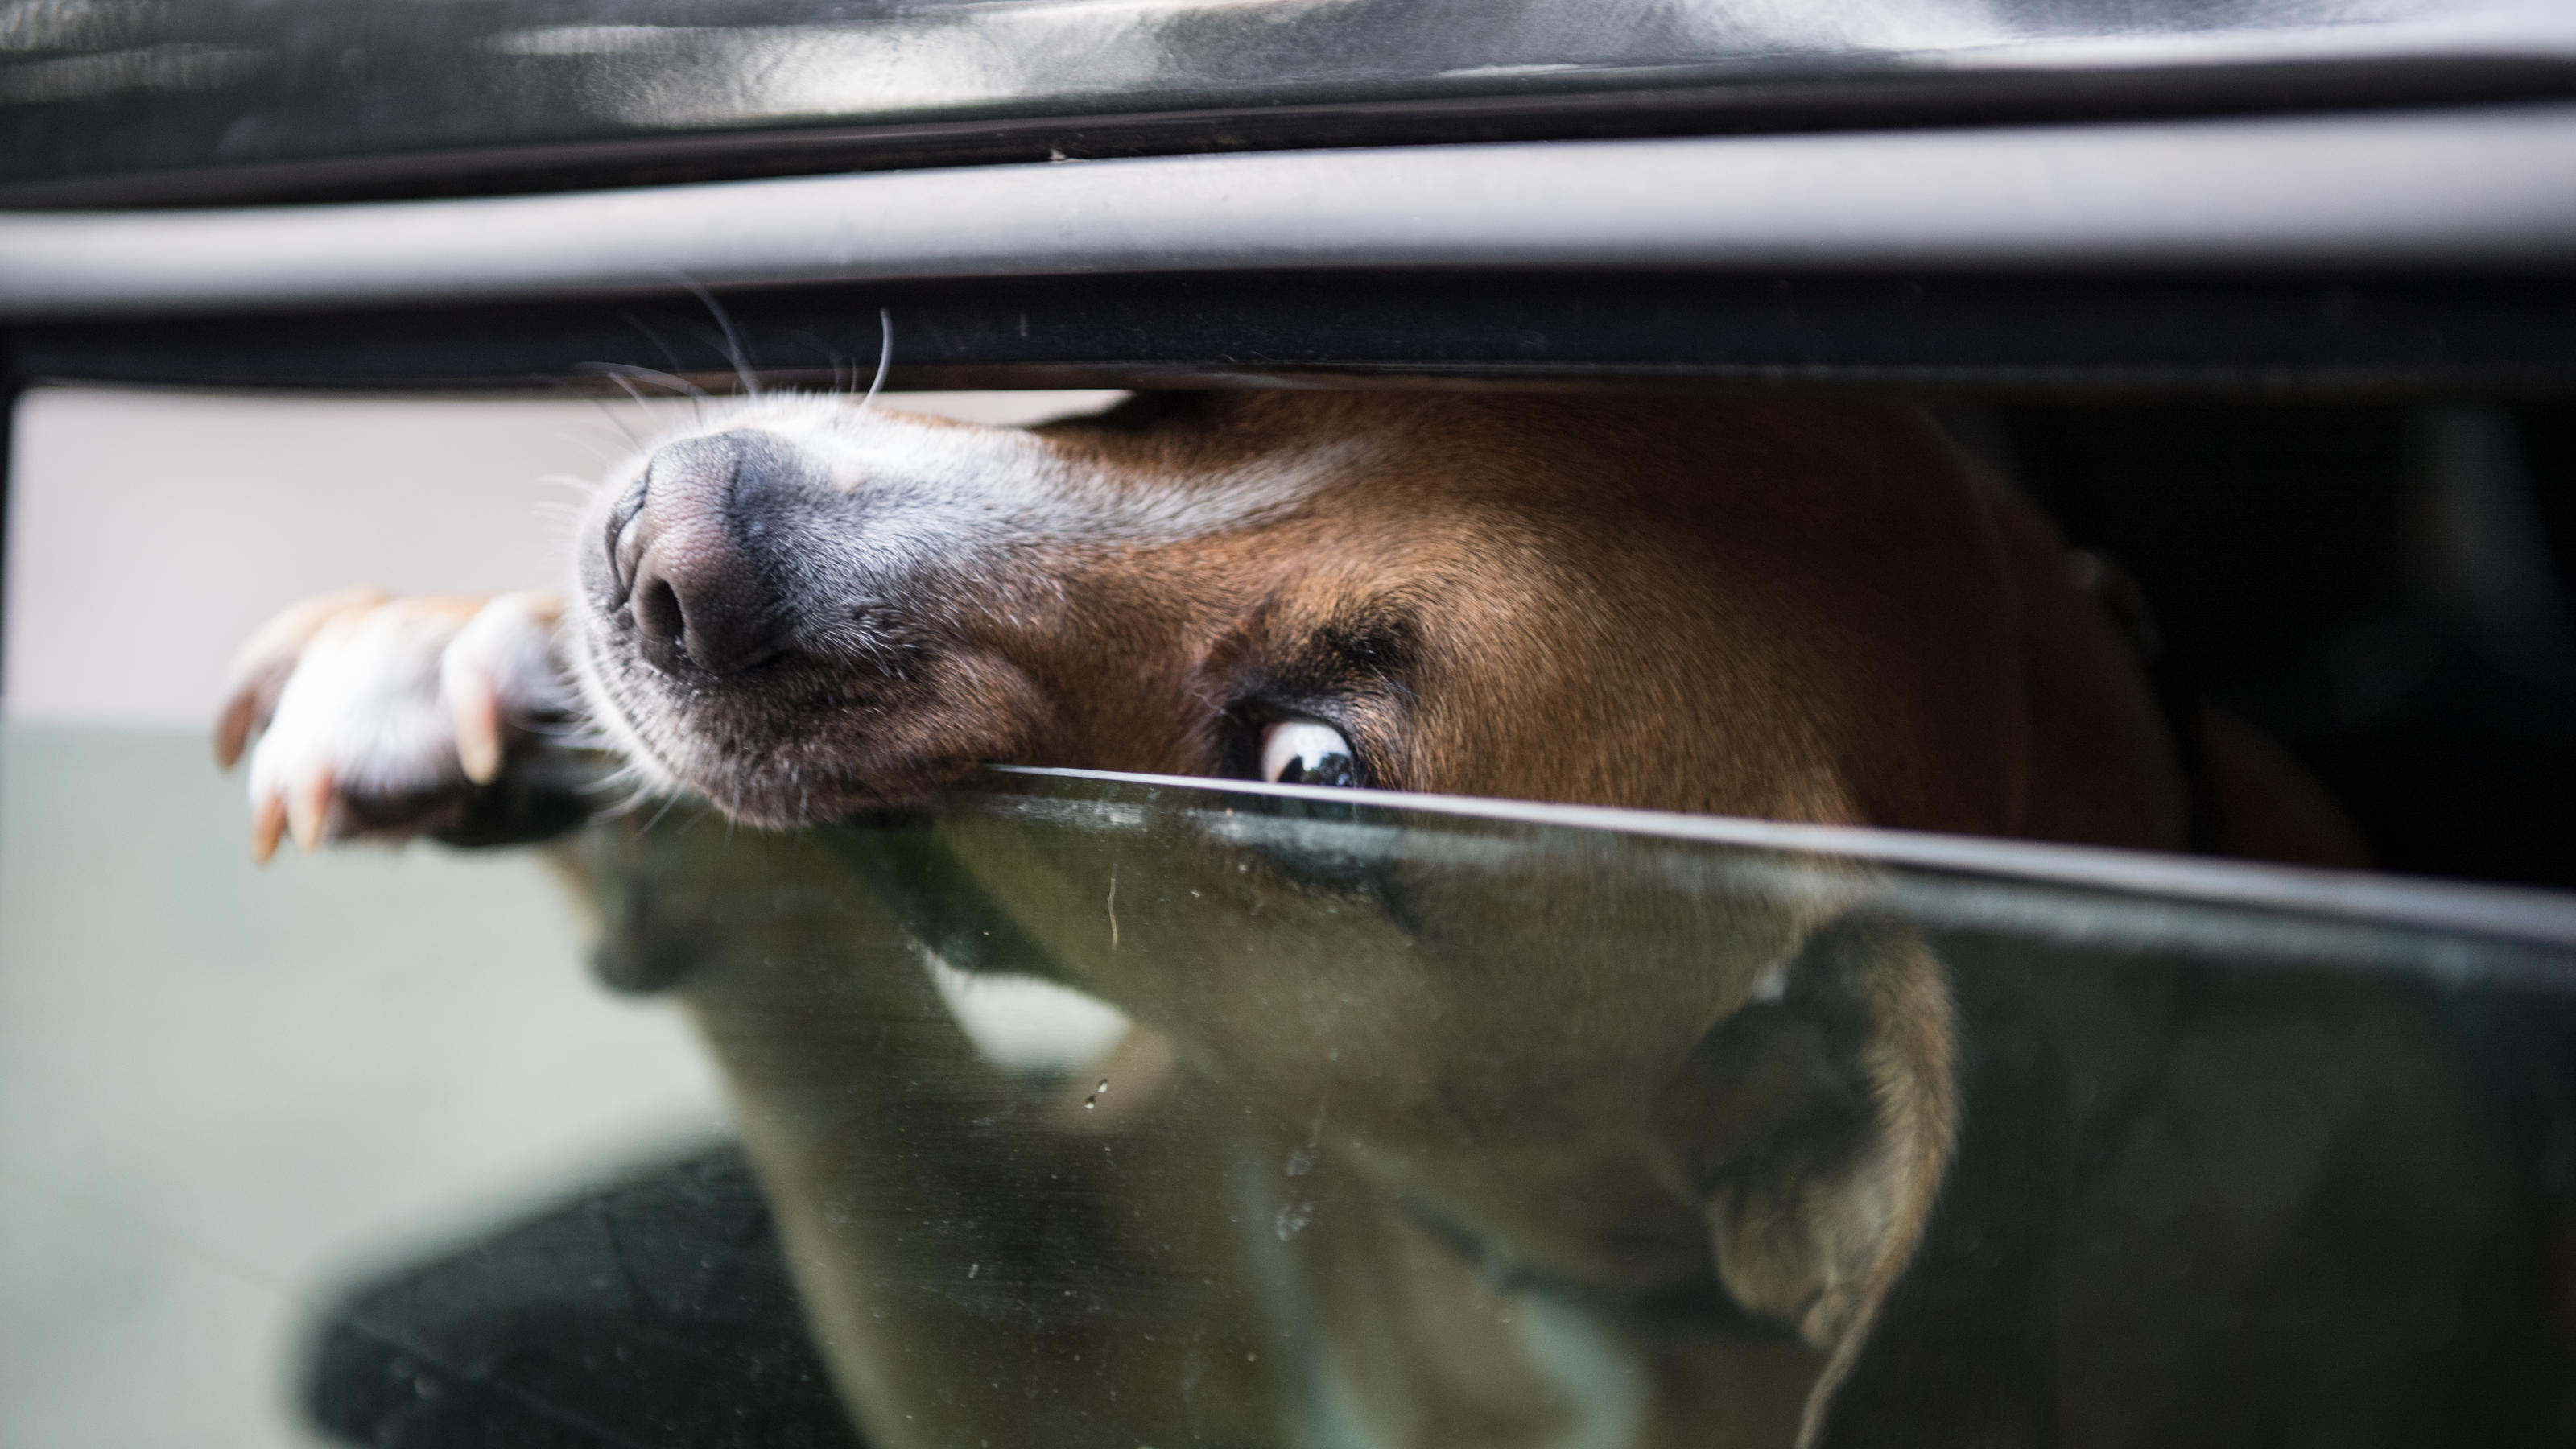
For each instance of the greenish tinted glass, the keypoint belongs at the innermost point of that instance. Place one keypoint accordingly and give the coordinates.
(1476, 1122)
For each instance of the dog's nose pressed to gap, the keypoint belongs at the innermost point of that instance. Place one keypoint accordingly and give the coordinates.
(686, 552)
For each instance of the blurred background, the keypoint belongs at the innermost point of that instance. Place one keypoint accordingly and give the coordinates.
(226, 1092)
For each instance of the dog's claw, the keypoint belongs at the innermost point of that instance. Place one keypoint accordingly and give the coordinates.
(477, 711)
(266, 825)
(375, 717)
(308, 810)
(232, 732)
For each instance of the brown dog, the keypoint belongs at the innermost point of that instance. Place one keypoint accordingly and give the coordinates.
(1902, 1192)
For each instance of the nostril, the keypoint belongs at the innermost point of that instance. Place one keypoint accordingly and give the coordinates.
(659, 616)
(693, 553)
(706, 606)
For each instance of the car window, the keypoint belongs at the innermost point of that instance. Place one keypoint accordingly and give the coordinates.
(1083, 1107)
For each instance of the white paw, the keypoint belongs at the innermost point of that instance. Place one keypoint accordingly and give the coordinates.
(379, 717)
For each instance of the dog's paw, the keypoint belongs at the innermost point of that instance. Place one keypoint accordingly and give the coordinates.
(388, 718)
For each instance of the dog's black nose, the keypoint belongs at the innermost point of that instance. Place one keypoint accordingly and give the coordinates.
(686, 546)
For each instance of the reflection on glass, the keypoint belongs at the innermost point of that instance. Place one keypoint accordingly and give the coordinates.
(1055, 54)
(1412, 1123)
(100, 87)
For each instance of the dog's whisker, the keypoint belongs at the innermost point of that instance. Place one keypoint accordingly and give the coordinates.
(678, 383)
(571, 734)
(675, 377)
(733, 349)
(606, 790)
(633, 439)
(885, 355)
(669, 804)
(625, 384)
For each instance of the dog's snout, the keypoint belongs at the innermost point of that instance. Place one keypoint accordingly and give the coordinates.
(683, 545)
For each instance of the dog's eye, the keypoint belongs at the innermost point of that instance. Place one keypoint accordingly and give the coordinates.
(1306, 752)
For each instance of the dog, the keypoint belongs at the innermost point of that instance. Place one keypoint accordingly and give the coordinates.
(1517, 1162)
